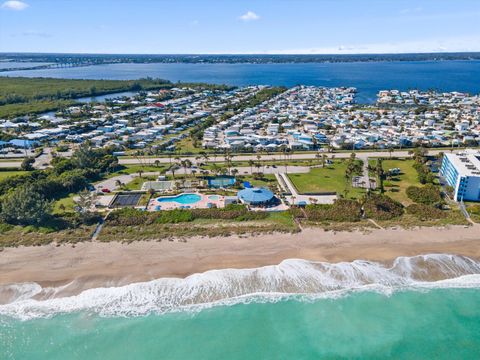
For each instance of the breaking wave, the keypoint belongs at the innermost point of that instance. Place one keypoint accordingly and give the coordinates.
(291, 278)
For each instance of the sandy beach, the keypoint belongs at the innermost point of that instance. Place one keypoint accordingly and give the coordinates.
(89, 265)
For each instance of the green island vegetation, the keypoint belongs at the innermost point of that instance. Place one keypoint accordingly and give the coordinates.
(22, 96)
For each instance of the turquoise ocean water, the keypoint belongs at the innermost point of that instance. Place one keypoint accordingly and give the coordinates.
(441, 324)
(357, 310)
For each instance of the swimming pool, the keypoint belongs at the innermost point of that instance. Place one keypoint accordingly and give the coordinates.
(214, 197)
(221, 181)
(181, 199)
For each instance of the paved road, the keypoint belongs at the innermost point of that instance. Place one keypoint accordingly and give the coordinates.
(43, 161)
(277, 156)
(10, 164)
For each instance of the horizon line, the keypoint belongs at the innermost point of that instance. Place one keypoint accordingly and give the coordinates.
(243, 54)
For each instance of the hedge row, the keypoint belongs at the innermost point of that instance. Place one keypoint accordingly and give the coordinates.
(425, 212)
(132, 217)
(341, 210)
(427, 195)
(381, 207)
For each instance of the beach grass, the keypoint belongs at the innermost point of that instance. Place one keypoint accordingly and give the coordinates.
(275, 222)
(35, 236)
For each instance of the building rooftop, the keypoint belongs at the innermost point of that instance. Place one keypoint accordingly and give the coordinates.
(255, 195)
(467, 162)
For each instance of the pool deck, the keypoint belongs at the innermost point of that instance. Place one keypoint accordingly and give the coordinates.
(215, 200)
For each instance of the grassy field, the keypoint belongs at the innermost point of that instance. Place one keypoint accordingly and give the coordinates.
(268, 180)
(7, 174)
(20, 96)
(396, 186)
(64, 205)
(328, 179)
(137, 182)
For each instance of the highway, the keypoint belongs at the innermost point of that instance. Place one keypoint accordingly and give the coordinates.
(276, 156)
(43, 160)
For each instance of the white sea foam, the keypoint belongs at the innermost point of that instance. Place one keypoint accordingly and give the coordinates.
(230, 286)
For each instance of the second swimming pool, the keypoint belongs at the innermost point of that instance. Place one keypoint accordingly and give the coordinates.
(181, 199)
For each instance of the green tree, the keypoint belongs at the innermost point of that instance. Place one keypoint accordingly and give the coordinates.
(25, 206)
(27, 164)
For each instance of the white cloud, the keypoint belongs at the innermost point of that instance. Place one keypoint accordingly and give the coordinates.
(36, 34)
(249, 16)
(14, 5)
(448, 44)
(417, 9)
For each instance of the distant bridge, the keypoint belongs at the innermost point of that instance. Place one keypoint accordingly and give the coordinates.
(56, 65)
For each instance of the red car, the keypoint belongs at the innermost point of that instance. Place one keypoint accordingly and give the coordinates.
(106, 190)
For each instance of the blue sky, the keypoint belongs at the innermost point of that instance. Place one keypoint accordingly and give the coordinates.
(239, 26)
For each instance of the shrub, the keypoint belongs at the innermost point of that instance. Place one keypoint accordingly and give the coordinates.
(173, 216)
(252, 215)
(25, 206)
(4, 227)
(425, 212)
(382, 207)
(428, 195)
(342, 210)
(474, 209)
(133, 217)
(127, 217)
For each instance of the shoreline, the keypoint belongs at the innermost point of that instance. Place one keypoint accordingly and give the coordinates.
(90, 265)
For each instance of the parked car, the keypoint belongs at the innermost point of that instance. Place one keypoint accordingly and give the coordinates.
(106, 190)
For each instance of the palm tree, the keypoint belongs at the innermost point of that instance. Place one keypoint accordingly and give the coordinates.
(251, 163)
(172, 169)
(140, 172)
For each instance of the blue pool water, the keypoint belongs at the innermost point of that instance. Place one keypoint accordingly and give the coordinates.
(181, 199)
(213, 197)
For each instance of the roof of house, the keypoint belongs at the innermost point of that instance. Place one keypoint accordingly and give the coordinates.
(255, 195)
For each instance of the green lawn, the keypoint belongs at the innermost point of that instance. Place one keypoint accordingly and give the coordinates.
(328, 179)
(268, 180)
(396, 186)
(64, 205)
(137, 182)
(7, 174)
